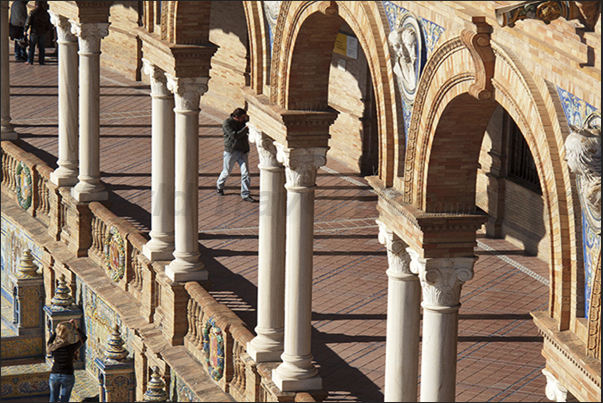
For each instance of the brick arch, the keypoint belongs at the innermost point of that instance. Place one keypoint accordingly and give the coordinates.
(447, 122)
(258, 38)
(186, 22)
(307, 29)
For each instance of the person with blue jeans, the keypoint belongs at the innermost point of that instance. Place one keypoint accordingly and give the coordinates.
(236, 150)
(39, 22)
(18, 16)
(62, 347)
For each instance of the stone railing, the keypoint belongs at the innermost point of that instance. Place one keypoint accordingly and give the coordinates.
(143, 285)
(110, 247)
(26, 179)
(217, 338)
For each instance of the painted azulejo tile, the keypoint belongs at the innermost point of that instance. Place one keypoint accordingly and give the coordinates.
(14, 241)
(99, 320)
(578, 112)
(428, 35)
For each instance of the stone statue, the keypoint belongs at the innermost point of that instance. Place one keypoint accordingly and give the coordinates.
(583, 154)
(404, 40)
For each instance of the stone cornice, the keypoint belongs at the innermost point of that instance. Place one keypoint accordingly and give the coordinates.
(294, 128)
(569, 346)
(177, 60)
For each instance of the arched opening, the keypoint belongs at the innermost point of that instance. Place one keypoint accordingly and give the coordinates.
(230, 67)
(509, 189)
(331, 71)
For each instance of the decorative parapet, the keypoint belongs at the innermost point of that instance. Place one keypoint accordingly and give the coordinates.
(217, 338)
(116, 375)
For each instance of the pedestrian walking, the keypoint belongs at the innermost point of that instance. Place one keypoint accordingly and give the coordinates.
(18, 16)
(236, 150)
(39, 22)
(63, 345)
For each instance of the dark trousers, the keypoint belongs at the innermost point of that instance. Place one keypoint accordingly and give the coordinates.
(20, 53)
(39, 41)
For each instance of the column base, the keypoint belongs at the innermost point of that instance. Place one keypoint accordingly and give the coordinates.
(181, 271)
(156, 255)
(82, 196)
(59, 180)
(261, 352)
(8, 133)
(296, 385)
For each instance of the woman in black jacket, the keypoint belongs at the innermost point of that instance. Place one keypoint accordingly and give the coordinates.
(63, 349)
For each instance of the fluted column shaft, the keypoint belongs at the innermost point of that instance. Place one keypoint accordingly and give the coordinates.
(8, 133)
(161, 244)
(67, 172)
(268, 344)
(186, 266)
(89, 187)
(297, 372)
(441, 282)
(403, 321)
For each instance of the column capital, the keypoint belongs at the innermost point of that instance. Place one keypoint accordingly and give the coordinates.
(301, 164)
(159, 87)
(442, 279)
(63, 25)
(89, 35)
(397, 255)
(265, 146)
(187, 91)
(555, 391)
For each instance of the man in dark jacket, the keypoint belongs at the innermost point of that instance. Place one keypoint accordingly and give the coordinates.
(236, 150)
(39, 22)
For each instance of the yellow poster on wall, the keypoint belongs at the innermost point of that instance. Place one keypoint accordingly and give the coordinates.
(346, 45)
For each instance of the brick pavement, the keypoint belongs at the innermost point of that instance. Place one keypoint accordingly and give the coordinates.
(499, 347)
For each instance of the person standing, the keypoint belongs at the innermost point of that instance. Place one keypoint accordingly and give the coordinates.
(63, 350)
(39, 22)
(236, 150)
(18, 16)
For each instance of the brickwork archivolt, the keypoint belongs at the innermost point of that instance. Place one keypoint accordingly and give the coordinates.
(301, 29)
(438, 113)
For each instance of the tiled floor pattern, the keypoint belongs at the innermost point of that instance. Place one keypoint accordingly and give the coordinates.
(499, 348)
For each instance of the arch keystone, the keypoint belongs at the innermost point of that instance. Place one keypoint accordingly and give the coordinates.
(479, 45)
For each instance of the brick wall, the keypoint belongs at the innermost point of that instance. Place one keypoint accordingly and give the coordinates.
(347, 91)
(121, 49)
(229, 70)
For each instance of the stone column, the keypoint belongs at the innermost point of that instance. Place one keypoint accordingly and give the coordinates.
(441, 281)
(186, 266)
(161, 245)
(66, 173)
(268, 344)
(89, 187)
(297, 373)
(403, 321)
(8, 133)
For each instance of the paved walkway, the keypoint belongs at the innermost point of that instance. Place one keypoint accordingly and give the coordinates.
(499, 347)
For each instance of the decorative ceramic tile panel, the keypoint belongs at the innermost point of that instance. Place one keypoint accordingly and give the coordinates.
(14, 241)
(577, 111)
(428, 33)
